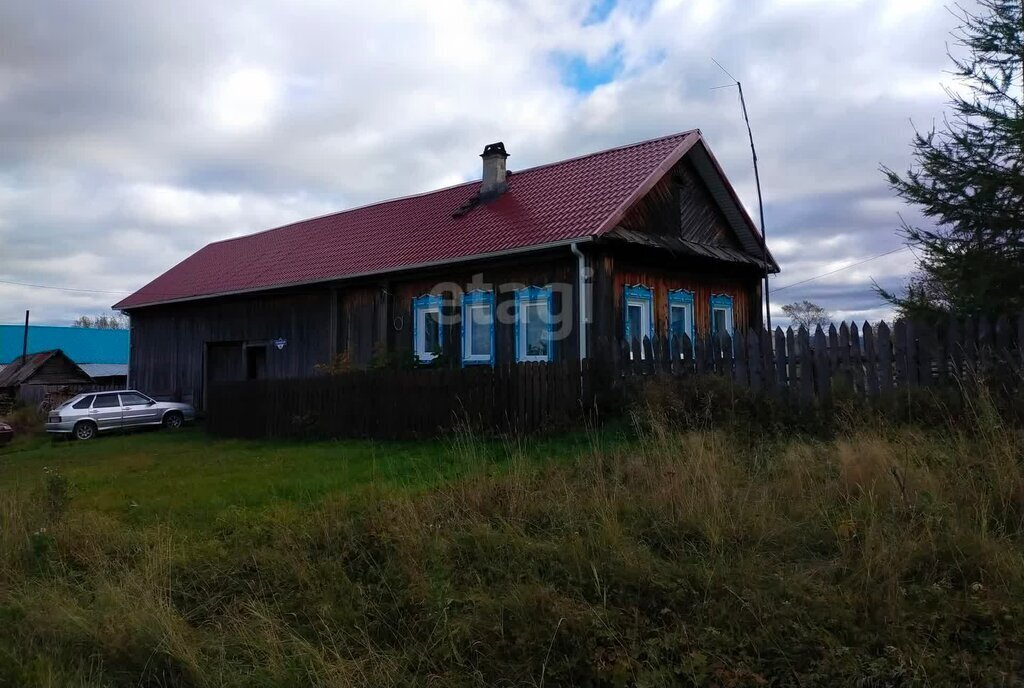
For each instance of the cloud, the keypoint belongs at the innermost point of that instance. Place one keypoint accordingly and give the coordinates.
(131, 133)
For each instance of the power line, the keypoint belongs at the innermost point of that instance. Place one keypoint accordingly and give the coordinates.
(845, 267)
(49, 286)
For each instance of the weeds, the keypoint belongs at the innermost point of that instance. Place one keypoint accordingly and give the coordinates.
(25, 420)
(885, 555)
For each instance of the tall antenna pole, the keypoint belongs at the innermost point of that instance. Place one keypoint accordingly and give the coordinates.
(760, 202)
(760, 206)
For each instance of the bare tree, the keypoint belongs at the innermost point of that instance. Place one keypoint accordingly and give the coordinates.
(115, 321)
(807, 314)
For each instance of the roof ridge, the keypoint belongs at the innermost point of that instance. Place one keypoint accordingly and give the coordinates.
(607, 150)
(421, 194)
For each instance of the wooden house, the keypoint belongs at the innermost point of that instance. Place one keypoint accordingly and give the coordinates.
(101, 354)
(31, 378)
(544, 264)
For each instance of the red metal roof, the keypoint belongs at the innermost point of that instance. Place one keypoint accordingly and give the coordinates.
(551, 204)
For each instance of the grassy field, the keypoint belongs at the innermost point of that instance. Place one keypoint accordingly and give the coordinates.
(187, 480)
(883, 556)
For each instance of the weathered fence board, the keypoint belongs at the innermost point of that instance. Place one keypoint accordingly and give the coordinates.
(401, 404)
(856, 360)
(781, 375)
(868, 363)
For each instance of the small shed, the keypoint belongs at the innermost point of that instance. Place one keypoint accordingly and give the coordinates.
(31, 379)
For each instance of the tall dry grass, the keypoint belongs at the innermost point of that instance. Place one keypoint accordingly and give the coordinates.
(886, 556)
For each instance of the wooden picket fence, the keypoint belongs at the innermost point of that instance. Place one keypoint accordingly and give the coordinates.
(400, 404)
(866, 361)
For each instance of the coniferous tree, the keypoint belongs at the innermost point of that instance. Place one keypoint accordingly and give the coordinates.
(969, 177)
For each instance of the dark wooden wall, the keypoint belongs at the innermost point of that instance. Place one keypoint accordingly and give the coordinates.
(361, 318)
(177, 348)
(378, 317)
(59, 370)
(171, 345)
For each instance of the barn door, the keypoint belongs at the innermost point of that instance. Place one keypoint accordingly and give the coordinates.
(225, 362)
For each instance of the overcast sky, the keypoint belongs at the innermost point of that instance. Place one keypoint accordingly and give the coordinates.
(132, 133)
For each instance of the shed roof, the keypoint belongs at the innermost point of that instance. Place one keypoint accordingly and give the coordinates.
(96, 370)
(572, 200)
(21, 371)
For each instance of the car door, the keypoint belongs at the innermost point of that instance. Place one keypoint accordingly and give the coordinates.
(138, 409)
(106, 411)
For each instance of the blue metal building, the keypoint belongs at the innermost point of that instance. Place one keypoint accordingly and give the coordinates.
(82, 345)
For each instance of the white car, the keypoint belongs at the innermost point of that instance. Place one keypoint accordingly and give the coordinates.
(86, 415)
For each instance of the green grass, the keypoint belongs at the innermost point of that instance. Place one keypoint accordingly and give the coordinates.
(883, 556)
(186, 479)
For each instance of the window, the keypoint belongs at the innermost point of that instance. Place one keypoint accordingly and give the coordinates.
(134, 399)
(83, 403)
(721, 314)
(680, 316)
(533, 324)
(478, 328)
(427, 335)
(638, 319)
(106, 401)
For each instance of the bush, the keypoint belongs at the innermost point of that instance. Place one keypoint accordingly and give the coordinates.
(25, 420)
(714, 401)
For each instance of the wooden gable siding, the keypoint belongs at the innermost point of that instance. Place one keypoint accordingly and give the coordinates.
(171, 344)
(680, 205)
(58, 371)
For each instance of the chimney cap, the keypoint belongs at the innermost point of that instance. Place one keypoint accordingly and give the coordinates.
(494, 149)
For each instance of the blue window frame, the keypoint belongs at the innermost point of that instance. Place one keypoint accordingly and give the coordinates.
(638, 316)
(721, 314)
(534, 325)
(680, 315)
(478, 328)
(427, 333)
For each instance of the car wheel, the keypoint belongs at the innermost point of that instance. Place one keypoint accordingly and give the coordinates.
(174, 421)
(84, 430)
